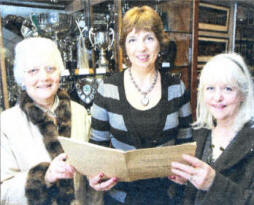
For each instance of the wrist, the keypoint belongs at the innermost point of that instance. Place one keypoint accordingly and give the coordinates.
(48, 184)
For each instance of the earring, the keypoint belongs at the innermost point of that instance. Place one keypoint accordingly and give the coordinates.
(23, 87)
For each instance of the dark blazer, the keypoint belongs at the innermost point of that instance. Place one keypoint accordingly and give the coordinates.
(234, 180)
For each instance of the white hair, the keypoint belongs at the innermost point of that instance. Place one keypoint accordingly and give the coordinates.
(231, 69)
(34, 47)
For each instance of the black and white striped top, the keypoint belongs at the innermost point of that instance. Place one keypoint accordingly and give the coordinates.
(115, 121)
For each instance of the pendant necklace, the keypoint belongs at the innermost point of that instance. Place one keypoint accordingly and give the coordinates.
(145, 100)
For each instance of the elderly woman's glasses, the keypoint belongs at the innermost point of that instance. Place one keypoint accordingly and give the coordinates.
(35, 71)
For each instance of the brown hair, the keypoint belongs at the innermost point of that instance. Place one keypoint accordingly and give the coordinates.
(142, 18)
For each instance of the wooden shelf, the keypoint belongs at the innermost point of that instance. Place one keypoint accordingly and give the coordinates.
(94, 2)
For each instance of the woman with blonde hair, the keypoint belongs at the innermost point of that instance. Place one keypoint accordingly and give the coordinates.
(222, 170)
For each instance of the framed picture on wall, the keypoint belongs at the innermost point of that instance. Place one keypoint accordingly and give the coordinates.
(213, 17)
(209, 47)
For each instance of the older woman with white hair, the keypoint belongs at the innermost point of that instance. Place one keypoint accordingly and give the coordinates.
(33, 166)
(222, 172)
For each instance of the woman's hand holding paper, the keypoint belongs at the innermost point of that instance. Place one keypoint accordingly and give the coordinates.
(197, 172)
(99, 185)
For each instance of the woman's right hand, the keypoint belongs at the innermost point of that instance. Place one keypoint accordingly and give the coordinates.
(59, 169)
(99, 185)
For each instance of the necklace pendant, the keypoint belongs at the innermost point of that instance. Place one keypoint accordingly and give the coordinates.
(145, 101)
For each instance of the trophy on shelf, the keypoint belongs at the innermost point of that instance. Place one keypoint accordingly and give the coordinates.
(82, 52)
(86, 89)
(101, 40)
(53, 24)
(56, 26)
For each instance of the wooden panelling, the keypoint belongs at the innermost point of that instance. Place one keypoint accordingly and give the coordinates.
(4, 86)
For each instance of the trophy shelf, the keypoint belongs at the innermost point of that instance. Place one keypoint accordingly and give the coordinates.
(94, 2)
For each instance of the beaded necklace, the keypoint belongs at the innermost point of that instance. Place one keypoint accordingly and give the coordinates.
(145, 100)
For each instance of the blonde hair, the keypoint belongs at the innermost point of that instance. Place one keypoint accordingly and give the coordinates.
(36, 47)
(231, 69)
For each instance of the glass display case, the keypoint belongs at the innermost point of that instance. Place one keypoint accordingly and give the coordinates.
(87, 34)
(244, 43)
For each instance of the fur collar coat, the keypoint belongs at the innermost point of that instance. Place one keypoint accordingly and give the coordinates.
(29, 142)
(234, 180)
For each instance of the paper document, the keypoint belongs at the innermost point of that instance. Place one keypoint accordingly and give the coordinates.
(90, 159)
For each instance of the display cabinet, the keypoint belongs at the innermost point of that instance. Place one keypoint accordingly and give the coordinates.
(87, 34)
(244, 43)
(214, 30)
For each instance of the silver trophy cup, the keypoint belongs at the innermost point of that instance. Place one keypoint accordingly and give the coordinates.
(58, 27)
(101, 40)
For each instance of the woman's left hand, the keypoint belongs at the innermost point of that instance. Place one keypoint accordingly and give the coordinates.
(200, 174)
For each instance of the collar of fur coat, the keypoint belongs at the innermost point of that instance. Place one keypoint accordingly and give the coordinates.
(48, 128)
(62, 192)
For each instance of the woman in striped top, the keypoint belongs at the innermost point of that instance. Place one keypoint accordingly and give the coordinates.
(140, 107)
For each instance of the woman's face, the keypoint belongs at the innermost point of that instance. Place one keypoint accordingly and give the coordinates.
(222, 100)
(41, 79)
(142, 48)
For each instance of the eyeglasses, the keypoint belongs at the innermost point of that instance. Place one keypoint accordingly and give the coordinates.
(35, 71)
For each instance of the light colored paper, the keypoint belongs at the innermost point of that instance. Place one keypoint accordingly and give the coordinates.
(90, 159)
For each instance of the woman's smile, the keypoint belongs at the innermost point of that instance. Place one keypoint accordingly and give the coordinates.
(143, 57)
(219, 106)
(44, 86)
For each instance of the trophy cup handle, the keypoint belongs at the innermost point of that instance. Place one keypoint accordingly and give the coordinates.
(112, 39)
(91, 33)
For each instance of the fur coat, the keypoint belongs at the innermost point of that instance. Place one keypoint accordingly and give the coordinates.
(29, 142)
(234, 180)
